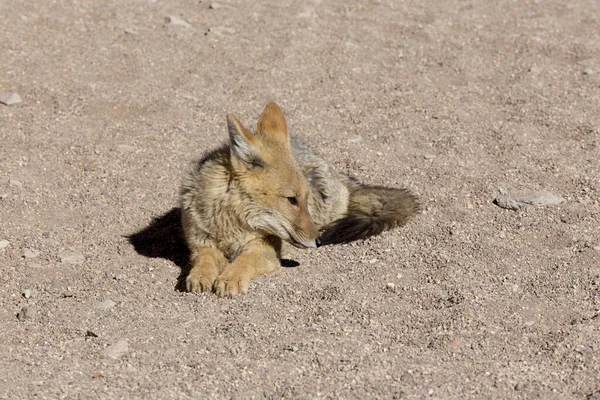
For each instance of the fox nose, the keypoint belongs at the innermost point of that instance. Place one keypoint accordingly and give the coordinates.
(319, 242)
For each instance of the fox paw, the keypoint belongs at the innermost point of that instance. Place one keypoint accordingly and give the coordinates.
(197, 282)
(228, 285)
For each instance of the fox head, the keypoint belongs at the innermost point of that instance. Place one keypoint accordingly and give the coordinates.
(267, 173)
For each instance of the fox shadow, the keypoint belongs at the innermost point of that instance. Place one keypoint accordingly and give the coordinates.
(163, 238)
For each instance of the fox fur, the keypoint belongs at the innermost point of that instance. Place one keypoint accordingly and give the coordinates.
(242, 200)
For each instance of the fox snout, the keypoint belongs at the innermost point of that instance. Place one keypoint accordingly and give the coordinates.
(306, 234)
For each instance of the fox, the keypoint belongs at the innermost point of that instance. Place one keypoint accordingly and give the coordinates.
(241, 202)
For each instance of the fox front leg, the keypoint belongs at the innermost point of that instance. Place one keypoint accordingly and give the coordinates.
(207, 264)
(260, 256)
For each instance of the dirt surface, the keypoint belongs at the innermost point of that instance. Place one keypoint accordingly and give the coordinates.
(460, 101)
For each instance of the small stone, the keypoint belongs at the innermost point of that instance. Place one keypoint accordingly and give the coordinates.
(106, 304)
(9, 99)
(131, 31)
(70, 257)
(57, 287)
(521, 201)
(14, 182)
(593, 396)
(26, 313)
(3, 196)
(215, 6)
(355, 139)
(588, 71)
(429, 156)
(178, 21)
(90, 166)
(307, 12)
(222, 30)
(117, 350)
(4, 244)
(597, 248)
(90, 334)
(30, 253)
(125, 148)
(27, 293)
(120, 277)
(391, 286)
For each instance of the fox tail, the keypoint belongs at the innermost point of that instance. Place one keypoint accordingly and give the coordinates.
(371, 210)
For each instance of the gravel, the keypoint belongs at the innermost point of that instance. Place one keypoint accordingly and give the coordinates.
(9, 99)
(117, 350)
(71, 257)
(518, 202)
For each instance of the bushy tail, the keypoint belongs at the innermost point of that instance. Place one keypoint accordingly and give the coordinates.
(371, 210)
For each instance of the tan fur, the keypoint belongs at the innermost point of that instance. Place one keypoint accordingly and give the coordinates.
(240, 201)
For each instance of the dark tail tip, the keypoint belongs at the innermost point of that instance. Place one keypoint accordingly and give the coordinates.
(372, 210)
(319, 242)
(351, 228)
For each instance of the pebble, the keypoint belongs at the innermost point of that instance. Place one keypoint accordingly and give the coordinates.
(26, 313)
(391, 286)
(126, 148)
(106, 304)
(588, 71)
(27, 293)
(215, 6)
(9, 99)
(597, 248)
(117, 350)
(355, 139)
(222, 30)
(16, 183)
(3, 196)
(429, 156)
(519, 202)
(70, 257)
(306, 12)
(175, 20)
(4, 244)
(30, 253)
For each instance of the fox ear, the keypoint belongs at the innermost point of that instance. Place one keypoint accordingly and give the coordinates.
(243, 143)
(272, 122)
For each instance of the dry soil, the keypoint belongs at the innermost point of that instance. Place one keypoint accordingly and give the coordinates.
(461, 101)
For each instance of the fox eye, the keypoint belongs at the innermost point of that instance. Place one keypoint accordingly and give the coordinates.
(293, 201)
(256, 163)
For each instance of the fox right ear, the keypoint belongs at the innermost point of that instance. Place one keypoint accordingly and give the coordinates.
(243, 143)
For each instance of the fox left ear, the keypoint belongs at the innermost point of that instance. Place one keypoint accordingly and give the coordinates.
(272, 123)
(243, 143)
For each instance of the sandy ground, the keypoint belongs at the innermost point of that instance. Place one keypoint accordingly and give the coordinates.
(460, 101)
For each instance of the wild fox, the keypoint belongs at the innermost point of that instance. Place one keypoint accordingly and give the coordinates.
(240, 201)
